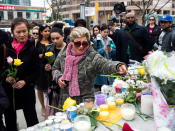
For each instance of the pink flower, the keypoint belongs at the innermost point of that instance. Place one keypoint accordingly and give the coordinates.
(9, 60)
(138, 95)
(150, 52)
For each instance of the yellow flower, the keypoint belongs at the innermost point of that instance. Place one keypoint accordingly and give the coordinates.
(17, 62)
(68, 102)
(141, 70)
(49, 54)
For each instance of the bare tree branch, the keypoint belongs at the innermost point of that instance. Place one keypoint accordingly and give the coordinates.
(155, 6)
(136, 5)
(149, 4)
(153, 11)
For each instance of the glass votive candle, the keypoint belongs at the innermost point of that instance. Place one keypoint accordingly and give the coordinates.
(111, 105)
(104, 107)
(88, 102)
(82, 123)
(128, 111)
(100, 98)
(119, 101)
(104, 115)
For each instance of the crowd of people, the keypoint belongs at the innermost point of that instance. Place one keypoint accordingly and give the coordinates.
(77, 61)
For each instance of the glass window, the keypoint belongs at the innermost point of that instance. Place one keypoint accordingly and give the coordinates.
(10, 15)
(28, 15)
(37, 15)
(19, 14)
(1, 15)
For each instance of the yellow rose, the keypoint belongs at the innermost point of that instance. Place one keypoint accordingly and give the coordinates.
(17, 62)
(49, 54)
(141, 70)
(68, 102)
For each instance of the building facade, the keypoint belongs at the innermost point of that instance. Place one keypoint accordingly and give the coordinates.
(71, 10)
(9, 12)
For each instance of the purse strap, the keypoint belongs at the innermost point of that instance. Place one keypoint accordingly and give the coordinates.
(134, 41)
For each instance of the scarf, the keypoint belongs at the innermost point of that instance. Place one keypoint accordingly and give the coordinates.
(18, 47)
(71, 70)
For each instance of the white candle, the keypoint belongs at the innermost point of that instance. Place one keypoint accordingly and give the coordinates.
(82, 126)
(147, 104)
(128, 114)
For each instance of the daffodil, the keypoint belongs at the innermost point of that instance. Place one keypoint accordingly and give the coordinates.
(68, 102)
(17, 62)
(48, 54)
(141, 70)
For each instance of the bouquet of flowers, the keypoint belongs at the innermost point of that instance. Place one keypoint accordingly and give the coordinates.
(14, 64)
(50, 57)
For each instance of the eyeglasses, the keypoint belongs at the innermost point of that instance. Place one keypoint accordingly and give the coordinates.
(152, 19)
(79, 43)
(35, 33)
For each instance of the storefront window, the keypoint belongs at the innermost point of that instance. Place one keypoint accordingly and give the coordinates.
(10, 15)
(1, 15)
(28, 15)
(19, 14)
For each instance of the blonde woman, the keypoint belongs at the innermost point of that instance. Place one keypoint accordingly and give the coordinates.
(77, 65)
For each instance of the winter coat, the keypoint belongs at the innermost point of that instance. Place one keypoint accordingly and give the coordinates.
(101, 80)
(91, 65)
(128, 49)
(168, 41)
(155, 34)
(27, 72)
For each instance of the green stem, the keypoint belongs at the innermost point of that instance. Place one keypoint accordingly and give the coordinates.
(55, 108)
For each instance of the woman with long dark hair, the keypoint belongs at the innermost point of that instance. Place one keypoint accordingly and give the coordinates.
(20, 89)
(43, 81)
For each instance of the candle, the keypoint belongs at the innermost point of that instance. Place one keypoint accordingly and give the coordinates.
(147, 103)
(104, 115)
(119, 101)
(100, 99)
(128, 114)
(104, 107)
(82, 126)
(111, 105)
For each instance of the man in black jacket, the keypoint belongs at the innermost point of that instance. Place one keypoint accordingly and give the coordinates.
(133, 41)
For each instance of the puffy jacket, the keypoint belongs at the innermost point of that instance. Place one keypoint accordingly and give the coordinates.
(168, 41)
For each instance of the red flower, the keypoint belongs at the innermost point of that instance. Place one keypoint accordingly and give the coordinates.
(126, 127)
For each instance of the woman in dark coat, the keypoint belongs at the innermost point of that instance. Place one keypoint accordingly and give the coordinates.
(20, 90)
(43, 80)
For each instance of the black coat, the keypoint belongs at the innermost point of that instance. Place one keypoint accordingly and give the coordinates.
(27, 71)
(124, 42)
(154, 36)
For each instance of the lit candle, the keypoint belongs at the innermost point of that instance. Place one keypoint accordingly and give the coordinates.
(111, 105)
(104, 107)
(82, 126)
(119, 101)
(104, 115)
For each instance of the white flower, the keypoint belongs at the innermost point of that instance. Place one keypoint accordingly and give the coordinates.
(120, 82)
(130, 82)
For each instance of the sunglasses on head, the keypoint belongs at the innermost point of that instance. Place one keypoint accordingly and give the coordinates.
(79, 43)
